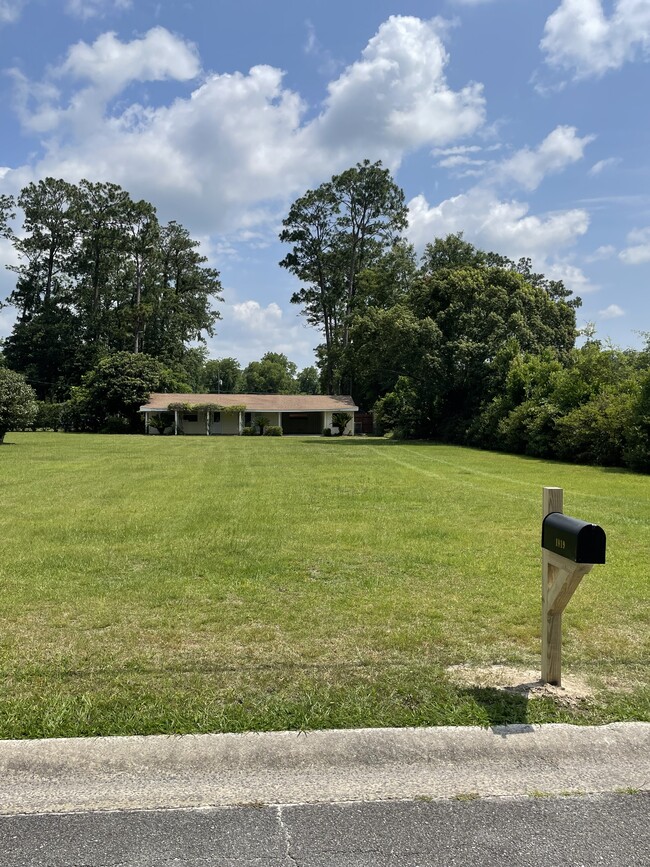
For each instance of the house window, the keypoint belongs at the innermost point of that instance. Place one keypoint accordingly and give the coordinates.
(190, 416)
(216, 417)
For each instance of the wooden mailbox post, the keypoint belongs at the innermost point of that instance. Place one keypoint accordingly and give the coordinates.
(570, 548)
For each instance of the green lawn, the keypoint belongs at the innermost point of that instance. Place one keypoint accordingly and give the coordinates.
(161, 584)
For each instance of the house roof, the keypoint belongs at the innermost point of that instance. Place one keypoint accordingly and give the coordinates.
(257, 402)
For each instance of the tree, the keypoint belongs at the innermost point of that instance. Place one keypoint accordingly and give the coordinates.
(7, 214)
(222, 375)
(99, 274)
(336, 232)
(118, 386)
(17, 402)
(273, 374)
(308, 381)
(453, 337)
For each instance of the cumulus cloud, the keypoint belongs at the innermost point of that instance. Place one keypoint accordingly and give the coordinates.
(257, 318)
(240, 139)
(580, 38)
(506, 225)
(560, 148)
(573, 277)
(250, 330)
(638, 250)
(397, 94)
(494, 224)
(611, 312)
(606, 251)
(100, 72)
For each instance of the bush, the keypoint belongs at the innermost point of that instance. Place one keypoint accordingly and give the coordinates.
(17, 403)
(340, 420)
(48, 416)
(247, 432)
(273, 430)
(327, 432)
(530, 429)
(261, 423)
(596, 432)
(161, 421)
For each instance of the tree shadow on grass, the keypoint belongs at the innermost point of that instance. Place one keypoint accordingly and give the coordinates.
(502, 707)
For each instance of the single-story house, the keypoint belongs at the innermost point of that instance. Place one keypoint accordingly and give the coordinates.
(219, 414)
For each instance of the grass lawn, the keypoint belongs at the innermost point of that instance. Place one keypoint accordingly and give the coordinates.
(161, 584)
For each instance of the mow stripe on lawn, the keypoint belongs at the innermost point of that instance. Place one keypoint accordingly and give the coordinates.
(173, 584)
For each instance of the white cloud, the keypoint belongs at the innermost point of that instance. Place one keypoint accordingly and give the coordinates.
(240, 139)
(638, 251)
(396, 98)
(503, 226)
(256, 317)
(105, 68)
(10, 10)
(458, 160)
(457, 149)
(85, 9)
(558, 150)
(248, 330)
(580, 37)
(573, 277)
(506, 225)
(601, 165)
(611, 312)
(604, 252)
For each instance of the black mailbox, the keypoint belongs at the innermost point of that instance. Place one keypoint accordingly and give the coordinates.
(574, 539)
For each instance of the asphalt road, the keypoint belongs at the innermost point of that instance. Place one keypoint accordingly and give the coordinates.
(512, 796)
(612, 830)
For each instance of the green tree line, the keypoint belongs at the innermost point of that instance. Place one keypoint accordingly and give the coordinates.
(97, 274)
(464, 345)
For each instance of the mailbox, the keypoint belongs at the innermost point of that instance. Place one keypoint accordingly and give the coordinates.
(574, 539)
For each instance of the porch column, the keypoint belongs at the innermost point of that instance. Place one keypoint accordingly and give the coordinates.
(175, 422)
(240, 426)
(280, 419)
(146, 423)
(207, 422)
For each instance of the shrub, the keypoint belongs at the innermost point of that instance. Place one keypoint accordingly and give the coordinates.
(340, 420)
(48, 416)
(261, 422)
(327, 432)
(247, 432)
(161, 421)
(17, 403)
(273, 430)
(595, 433)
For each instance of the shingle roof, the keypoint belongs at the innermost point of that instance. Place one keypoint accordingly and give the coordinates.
(258, 402)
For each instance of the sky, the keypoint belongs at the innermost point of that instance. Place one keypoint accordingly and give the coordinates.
(522, 123)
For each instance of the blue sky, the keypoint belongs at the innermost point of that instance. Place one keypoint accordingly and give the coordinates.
(523, 123)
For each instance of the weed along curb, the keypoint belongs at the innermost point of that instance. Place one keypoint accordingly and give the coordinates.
(67, 775)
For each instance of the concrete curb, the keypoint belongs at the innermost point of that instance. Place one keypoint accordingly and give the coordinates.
(160, 772)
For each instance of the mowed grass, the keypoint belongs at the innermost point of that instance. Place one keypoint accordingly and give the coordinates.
(195, 584)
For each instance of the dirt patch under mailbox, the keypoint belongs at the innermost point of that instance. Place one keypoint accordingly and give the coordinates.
(520, 681)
